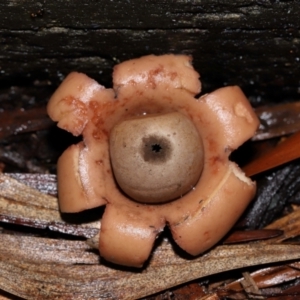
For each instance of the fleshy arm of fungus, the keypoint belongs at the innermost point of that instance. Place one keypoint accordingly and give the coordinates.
(221, 202)
(232, 114)
(68, 105)
(128, 234)
(72, 193)
(175, 71)
(214, 218)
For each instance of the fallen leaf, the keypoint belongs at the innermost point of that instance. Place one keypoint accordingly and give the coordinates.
(20, 204)
(43, 268)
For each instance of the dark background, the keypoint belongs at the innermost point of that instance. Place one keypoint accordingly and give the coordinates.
(253, 44)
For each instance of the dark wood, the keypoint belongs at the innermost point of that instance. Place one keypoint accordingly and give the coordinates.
(250, 43)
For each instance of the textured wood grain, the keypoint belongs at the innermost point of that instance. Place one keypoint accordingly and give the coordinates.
(249, 43)
(213, 13)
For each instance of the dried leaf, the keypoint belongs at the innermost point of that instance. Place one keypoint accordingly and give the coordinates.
(41, 268)
(252, 235)
(277, 120)
(290, 224)
(45, 250)
(250, 287)
(30, 279)
(45, 183)
(19, 121)
(284, 152)
(291, 293)
(20, 204)
(192, 291)
(268, 277)
(275, 275)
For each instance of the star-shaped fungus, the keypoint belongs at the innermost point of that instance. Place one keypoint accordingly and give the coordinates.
(154, 155)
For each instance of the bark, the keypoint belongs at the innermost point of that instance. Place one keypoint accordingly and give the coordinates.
(253, 44)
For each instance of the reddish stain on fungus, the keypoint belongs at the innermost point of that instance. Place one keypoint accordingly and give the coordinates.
(215, 159)
(153, 77)
(173, 75)
(212, 144)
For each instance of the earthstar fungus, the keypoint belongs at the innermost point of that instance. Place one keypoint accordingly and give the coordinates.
(186, 182)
